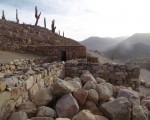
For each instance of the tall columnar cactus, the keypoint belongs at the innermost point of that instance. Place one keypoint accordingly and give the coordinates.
(59, 32)
(63, 34)
(17, 19)
(37, 16)
(45, 22)
(3, 15)
(53, 26)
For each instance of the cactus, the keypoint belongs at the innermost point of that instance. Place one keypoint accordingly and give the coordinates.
(37, 16)
(17, 20)
(3, 15)
(45, 22)
(63, 34)
(53, 26)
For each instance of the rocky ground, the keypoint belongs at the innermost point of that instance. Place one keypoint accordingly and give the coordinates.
(84, 98)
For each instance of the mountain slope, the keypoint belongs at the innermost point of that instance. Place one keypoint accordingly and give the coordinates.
(13, 34)
(138, 50)
(138, 45)
(100, 44)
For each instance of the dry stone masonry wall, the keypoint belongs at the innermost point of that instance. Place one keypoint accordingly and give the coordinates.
(56, 52)
(20, 81)
(126, 75)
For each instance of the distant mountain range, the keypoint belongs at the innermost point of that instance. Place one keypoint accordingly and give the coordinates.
(135, 46)
(101, 44)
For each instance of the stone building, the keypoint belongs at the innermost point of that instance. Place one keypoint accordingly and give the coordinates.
(57, 53)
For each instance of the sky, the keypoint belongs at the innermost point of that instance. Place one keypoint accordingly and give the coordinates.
(80, 19)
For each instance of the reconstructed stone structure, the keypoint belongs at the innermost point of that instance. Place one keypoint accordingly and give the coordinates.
(126, 75)
(58, 53)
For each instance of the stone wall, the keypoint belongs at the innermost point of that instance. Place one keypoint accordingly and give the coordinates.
(125, 75)
(22, 63)
(55, 52)
(19, 85)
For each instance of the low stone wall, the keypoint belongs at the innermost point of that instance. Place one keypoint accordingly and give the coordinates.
(22, 63)
(19, 85)
(126, 75)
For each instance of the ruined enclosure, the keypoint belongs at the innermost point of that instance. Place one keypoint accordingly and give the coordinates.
(58, 53)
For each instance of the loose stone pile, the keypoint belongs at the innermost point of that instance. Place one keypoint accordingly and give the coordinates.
(42, 93)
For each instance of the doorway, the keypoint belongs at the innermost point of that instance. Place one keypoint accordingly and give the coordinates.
(63, 55)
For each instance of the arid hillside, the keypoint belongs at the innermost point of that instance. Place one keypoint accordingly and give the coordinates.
(13, 34)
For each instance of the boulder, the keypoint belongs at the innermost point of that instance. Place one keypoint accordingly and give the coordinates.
(30, 72)
(62, 119)
(104, 91)
(90, 105)
(16, 92)
(18, 116)
(33, 90)
(118, 109)
(147, 84)
(43, 97)
(8, 108)
(10, 83)
(28, 107)
(29, 82)
(140, 113)
(75, 84)
(80, 96)
(19, 101)
(84, 115)
(61, 87)
(146, 103)
(89, 85)
(44, 111)
(4, 98)
(93, 95)
(2, 86)
(131, 95)
(67, 106)
(41, 118)
(100, 80)
(97, 117)
(87, 77)
(48, 80)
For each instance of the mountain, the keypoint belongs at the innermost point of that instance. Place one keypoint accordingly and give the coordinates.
(136, 46)
(101, 44)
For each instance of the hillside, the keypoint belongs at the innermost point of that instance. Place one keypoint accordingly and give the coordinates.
(101, 44)
(13, 34)
(138, 37)
(136, 46)
(138, 50)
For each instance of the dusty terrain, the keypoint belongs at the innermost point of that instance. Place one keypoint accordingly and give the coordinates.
(6, 57)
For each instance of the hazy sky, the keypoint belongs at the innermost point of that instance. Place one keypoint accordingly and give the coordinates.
(84, 18)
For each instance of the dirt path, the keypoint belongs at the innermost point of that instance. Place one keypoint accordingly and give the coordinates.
(6, 57)
(102, 59)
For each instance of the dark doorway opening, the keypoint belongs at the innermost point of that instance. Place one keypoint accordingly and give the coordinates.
(63, 55)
